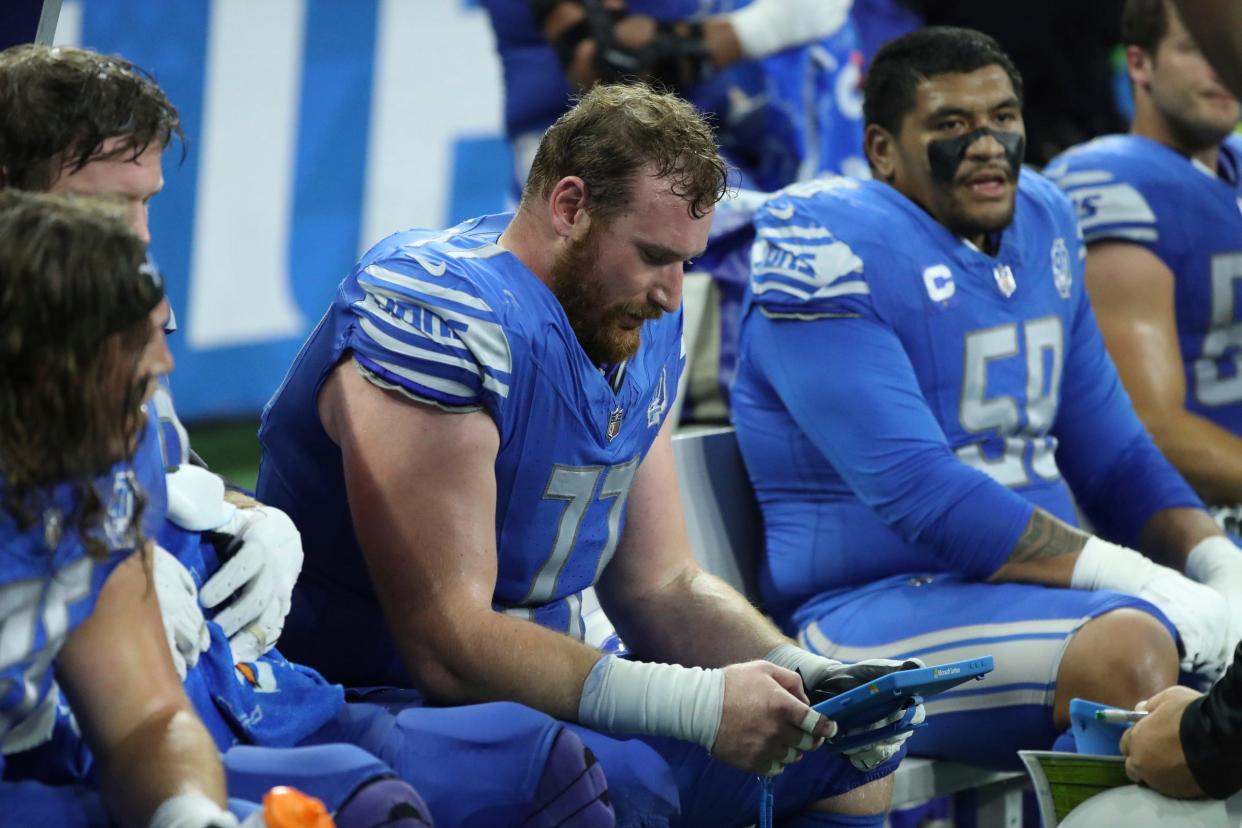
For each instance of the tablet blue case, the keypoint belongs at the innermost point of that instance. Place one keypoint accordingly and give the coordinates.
(901, 690)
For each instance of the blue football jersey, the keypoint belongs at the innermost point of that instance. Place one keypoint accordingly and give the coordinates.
(1128, 188)
(1002, 374)
(49, 585)
(789, 116)
(453, 320)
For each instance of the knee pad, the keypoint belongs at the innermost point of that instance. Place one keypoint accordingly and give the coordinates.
(572, 790)
(388, 802)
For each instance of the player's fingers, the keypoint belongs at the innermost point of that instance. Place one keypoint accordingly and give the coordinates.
(807, 742)
(236, 571)
(815, 723)
(791, 681)
(1132, 771)
(1124, 747)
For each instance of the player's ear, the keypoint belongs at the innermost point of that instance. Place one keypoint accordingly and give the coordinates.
(1138, 67)
(567, 205)
(881, 148)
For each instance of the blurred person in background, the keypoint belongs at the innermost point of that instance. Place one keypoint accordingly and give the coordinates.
(1159, 211)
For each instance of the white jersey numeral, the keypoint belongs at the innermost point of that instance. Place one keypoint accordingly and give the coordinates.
(576, 486)
(1218, 370)
(1001, 414)
(23, 605)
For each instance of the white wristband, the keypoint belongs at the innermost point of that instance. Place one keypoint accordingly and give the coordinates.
(813, 668)
(1209, 556)
(1104, 565)
(191, 811)
(621, 696)
(769, 26)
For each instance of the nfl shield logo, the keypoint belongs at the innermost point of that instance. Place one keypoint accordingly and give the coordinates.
(1061, 276)
(614, 423)
(1005, 280)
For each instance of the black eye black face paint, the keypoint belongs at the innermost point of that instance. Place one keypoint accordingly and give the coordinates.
(945, 156)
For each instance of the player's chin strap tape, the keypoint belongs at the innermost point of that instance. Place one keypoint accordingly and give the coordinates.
(676, 55)
(621, 696)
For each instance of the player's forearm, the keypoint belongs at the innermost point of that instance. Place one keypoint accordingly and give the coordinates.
(1045, 553)
(1171, 533)
(168, 755)
(696, 620)
(1208, 456)
(488, 656)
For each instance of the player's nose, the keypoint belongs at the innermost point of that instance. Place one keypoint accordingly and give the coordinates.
(666, 292)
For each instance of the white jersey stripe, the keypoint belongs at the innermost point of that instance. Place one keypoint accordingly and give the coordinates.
(431, 289)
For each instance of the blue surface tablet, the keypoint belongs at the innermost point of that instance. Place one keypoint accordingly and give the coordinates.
(902, 690)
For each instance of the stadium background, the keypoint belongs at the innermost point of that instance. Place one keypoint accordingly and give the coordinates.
(315, 128)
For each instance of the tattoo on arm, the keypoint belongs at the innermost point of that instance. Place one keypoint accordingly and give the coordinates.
(1046, 537)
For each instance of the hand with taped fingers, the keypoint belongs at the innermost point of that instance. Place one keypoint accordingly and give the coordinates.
(827, 678)
(1153, 745)
(253, 589)
(766, 722)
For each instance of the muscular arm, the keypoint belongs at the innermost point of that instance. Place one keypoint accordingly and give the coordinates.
(116, 673)
(422, 492)
(1132, 293)
(665, 607)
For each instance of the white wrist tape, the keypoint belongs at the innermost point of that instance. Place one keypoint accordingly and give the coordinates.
(1210, 557)
(769, 26)
(621, 696)
(1104, 565)
(196, 499)
(813, 668)
(1198, 612)
(191, 811)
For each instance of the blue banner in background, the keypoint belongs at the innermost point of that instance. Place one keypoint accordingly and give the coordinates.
(314, 128)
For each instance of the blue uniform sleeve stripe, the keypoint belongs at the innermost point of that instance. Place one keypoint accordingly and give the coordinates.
(442, 393)
(476, 327)
(441, 296)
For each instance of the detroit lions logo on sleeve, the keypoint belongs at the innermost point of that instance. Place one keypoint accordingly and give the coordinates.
(805, 262)
(436, 341)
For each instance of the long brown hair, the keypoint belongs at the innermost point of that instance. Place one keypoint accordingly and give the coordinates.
(76, 295)
(61, 104)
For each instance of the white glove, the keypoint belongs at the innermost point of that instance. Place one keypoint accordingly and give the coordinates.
(871, 756)
(183, 618)
(1217, 563)
(195, 811)
(826, 677)
(1199, 613)
(196, 499)
(259, 576)
(768, 26)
